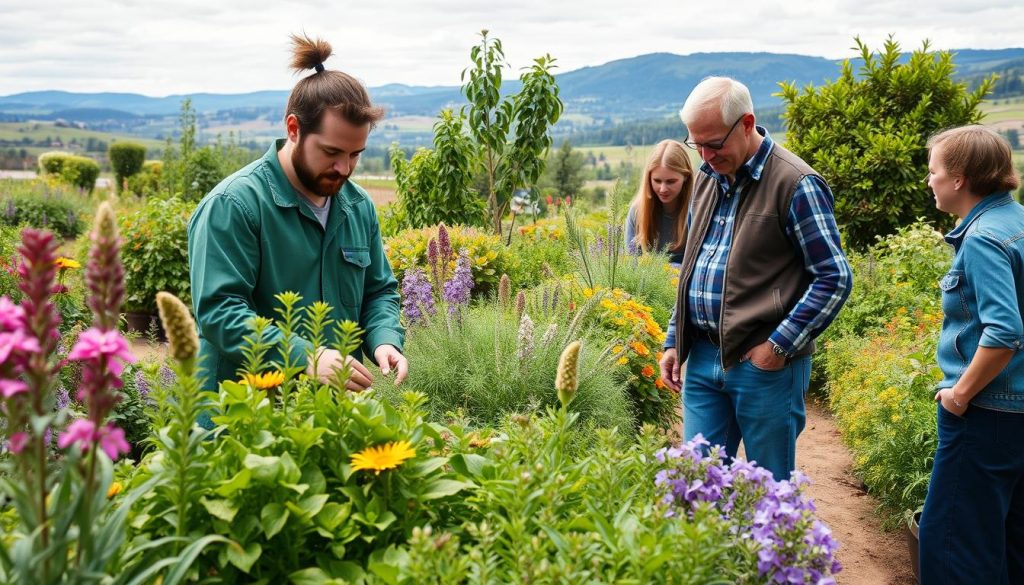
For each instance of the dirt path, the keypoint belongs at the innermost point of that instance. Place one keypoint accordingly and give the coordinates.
(869, 555)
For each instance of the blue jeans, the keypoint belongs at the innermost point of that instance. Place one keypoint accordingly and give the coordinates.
(765, 409)
(972, 526)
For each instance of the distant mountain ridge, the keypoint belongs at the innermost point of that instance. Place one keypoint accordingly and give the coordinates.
(637, 88)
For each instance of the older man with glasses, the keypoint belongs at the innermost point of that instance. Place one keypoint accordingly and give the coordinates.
(763, 275)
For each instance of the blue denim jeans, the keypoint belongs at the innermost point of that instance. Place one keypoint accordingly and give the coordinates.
(972, 526)
(764, 409)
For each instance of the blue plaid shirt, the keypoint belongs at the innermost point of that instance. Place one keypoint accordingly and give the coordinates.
(811, 226)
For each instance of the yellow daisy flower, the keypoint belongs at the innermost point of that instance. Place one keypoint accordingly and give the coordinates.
(263, 381)
(382, 457)
(64, 262)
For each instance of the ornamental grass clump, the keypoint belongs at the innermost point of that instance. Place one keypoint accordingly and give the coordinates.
(772, 520)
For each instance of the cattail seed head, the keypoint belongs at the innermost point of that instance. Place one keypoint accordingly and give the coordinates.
(567, 378)
(179, 325)
(504, 291)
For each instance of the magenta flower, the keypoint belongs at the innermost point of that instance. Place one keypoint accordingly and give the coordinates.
(10, 388)
(112, 442)
(16, 342)
(84, 433)
(12, 317)
(17, 442)
(94, 343)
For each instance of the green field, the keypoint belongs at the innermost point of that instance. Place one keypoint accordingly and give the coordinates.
(16, 132)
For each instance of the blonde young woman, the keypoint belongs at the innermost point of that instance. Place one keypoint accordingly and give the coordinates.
(657, 215)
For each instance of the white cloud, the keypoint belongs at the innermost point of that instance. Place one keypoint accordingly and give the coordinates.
(161, 47)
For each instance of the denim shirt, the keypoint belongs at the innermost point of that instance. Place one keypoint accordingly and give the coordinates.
(982, 297)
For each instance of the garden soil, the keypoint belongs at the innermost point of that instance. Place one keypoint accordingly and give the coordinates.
(869, 556)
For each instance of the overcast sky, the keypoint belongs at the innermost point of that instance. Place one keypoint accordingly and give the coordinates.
(162, 47)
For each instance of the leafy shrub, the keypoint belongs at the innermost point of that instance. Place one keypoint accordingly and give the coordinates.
(542, 253)
(865, 133)
(155, 252)
(126, 158)
(41, 205)
(307, 480)
(392, 219)
(488, 363)
(614, 514)
(490, 258)
(10, 237)
(202, 173)
(435, 186)
(77, 171)
(146, 182)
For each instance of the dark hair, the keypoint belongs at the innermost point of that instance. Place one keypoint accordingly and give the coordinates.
(981, 155)
(325, 89)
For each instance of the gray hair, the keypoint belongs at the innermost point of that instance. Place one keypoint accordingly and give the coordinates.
(731, 96)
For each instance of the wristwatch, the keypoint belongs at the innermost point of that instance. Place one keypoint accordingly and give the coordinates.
(779, 350)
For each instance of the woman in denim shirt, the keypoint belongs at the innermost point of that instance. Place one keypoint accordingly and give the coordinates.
(972, 527)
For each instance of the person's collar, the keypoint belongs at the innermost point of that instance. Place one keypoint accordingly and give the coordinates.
(957, 234)
(755, 165)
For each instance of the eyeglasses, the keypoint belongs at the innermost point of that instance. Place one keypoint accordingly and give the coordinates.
(718, 145)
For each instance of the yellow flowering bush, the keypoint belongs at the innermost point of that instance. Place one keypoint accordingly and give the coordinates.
(639, 339)
(408, 249)
(881, 390)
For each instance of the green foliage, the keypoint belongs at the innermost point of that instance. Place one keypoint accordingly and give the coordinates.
(10, 237)
(436, 186)
(865, 133)
(77, 171)
(541, 251)
(41, 204)
(544, 515)
(155, 252)
(392, 219)
(126, 159)
(487, 364)
(280, 481)
(490, 259)
(564, 172)
(508, 137)
(146, 183)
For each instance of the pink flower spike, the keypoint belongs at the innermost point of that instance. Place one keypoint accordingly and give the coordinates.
(93, 343)
(82, 431)
(17, 442)
(10, 388)
(112, 442)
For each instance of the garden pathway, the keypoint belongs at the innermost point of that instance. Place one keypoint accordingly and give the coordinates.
(869, 555)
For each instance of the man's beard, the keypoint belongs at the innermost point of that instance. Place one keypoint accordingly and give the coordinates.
(326, 184)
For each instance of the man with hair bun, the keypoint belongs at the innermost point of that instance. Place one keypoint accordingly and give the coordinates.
(763, 274)
(292, 221)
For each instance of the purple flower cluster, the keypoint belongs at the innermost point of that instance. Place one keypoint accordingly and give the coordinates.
(456, 290)
(792, 545)
(417, 296)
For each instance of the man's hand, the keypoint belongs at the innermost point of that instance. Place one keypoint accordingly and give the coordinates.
(669, 366)
(946, 397)
(389, 358)
(763, 357)
(330, 360)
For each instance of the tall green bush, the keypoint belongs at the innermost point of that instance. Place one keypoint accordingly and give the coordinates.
(77, 171)
(865, 133)
(126, 158)
(436, 186)
(155, 253)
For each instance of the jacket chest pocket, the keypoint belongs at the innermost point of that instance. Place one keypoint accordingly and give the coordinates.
(954, 298)
(352, 273)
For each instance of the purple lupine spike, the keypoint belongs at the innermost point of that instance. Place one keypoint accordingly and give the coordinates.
(456, 290)
(417, 296)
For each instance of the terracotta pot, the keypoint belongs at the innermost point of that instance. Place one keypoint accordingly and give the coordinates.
(910, 530)
(142, 323)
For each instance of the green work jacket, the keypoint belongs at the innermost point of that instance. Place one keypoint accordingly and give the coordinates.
(254, 236)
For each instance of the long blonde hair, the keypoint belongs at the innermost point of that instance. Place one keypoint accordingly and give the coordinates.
(671, 155)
